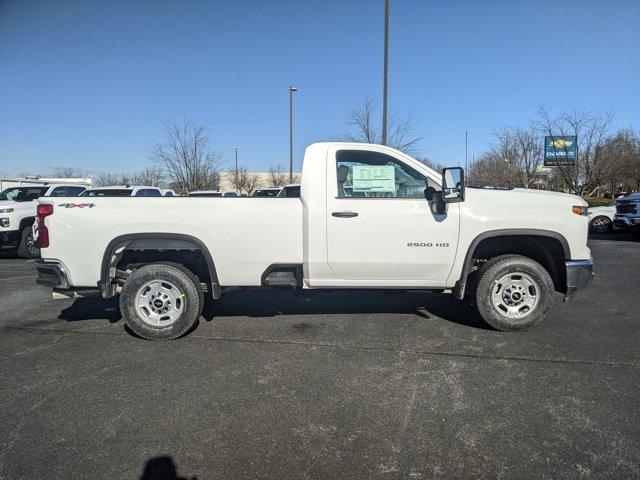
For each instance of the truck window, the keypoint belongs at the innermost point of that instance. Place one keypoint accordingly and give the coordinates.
(75, 191)
(107, 192)
(23, 194)
(59, 192)
(148, 192)
(362, 173)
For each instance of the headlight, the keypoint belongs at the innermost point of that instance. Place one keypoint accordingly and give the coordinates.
(579, 210)
(6, 210)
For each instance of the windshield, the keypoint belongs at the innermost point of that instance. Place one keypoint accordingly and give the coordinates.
(110, 192)
(22, 194)
(205, 194)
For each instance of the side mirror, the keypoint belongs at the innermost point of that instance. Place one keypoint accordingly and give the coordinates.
(452, 184)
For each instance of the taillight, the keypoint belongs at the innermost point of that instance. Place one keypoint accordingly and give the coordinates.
(43, 210)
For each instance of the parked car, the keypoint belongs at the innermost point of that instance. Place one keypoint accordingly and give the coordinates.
(369, 216)
(123, 191)
(601, 218)
(627, 215)
(18, 213)
(291, 191)
(267, 192)
(212, 193)
(167, 192)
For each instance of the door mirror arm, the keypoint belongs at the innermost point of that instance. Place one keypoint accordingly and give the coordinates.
(436, 202)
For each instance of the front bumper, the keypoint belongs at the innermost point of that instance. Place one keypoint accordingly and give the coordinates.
(579, 275)
(53, 273)
(9, 239)
(626, 223)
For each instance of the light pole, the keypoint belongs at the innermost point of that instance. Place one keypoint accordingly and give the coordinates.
(292, 89)
(236, 149)
(386, 72)
(466, 151)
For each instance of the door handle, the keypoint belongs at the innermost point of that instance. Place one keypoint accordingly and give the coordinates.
(345, 214)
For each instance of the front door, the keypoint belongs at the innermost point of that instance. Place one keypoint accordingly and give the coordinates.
(380, 226)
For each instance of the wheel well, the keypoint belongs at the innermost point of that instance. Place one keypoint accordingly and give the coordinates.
(547, 251)
(26, 222)
(125, 254)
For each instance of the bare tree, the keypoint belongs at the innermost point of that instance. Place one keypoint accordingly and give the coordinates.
(106, 179)
(65, 172)
(590, 171)
(622, 151)
(433, 165)
(514, 159)
(362, 126)
(187, 158)
(243, 181)
(277, 176)
(150, 176)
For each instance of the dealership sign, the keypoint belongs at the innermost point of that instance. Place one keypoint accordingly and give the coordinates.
(560, 150)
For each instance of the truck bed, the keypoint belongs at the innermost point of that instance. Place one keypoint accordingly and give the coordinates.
(254, 233)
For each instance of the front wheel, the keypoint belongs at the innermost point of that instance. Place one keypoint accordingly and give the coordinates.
(513, 293)
(601, 224)
(161, 301)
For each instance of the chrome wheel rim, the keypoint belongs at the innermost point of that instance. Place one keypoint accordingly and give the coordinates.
(160, 303)
(600, 225)
(515, 295)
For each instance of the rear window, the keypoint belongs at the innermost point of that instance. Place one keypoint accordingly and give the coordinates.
(110, 192)
(23, 194)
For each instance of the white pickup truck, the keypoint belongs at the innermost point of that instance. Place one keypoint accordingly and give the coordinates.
(368, 216)
(18, 213)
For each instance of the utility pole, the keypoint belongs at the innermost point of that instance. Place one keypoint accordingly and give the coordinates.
(386, 72)
(292, 89)
(466, 150)
(236, 149)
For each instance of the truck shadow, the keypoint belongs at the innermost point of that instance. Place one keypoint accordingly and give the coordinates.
(267, 303)
(270, 303)
(92, 309)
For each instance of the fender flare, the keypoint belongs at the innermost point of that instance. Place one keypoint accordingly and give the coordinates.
(152, 241)
(461, 284)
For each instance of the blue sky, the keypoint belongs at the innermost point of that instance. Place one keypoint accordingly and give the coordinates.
(89, 84)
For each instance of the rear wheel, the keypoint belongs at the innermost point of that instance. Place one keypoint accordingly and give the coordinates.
(601, 224)
(513, 293)
(28, 247)
(161, 301)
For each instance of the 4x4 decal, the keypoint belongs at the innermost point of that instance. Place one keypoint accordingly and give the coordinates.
(77, 205)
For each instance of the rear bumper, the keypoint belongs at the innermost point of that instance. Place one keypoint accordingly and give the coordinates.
(579, 275)
(9, 239)
(53, 273)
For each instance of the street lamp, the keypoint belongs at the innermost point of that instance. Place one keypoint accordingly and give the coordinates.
(386, 72)
(292, 89)
(236, 149)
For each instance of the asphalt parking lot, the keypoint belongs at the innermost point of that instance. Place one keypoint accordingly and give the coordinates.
(324, 385)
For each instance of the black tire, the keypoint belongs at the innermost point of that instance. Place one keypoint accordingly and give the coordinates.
(524, 270)
(601, 224)
(27, 247)
(189, 292)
